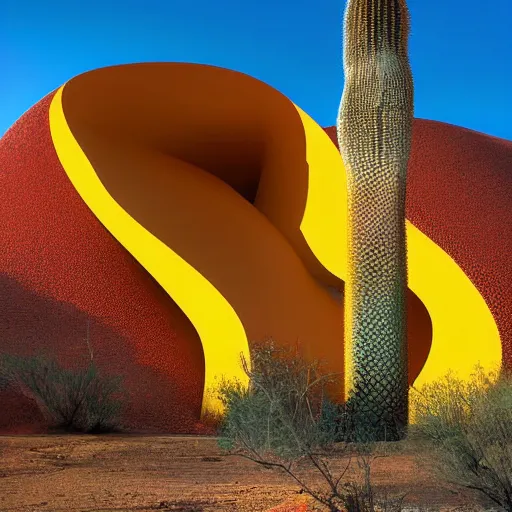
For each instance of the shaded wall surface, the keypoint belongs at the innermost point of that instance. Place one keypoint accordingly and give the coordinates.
(223, 180)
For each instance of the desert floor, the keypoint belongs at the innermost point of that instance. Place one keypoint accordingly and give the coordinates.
(119, 472)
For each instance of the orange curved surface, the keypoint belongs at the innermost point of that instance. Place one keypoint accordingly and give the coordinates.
(181, 183)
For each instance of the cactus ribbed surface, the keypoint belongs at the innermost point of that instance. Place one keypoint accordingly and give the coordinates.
(374, 133)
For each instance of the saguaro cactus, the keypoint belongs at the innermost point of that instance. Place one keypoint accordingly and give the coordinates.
(374, 133)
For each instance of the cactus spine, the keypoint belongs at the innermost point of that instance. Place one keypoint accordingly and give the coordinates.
(374, 133)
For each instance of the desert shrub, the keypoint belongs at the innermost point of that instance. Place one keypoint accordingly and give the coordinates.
(468, 424)
(284, 420)
(72, 400)
(286, 393)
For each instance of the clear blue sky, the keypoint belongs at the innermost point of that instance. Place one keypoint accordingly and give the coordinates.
(460, 50)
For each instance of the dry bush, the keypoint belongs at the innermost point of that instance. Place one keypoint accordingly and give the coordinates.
(71, 400)
(284, 420)
(468, 426)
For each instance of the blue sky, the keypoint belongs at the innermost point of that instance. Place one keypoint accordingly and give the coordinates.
(459, 50)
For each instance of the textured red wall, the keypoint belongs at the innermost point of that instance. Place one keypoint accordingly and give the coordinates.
(459, 194)
(60, 267)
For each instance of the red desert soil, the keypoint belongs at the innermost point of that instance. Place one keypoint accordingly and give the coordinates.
(141, 473)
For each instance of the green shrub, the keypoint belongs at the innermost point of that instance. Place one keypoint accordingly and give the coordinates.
(284, 419)
(469, 427)
(279, 411)
(71, 400)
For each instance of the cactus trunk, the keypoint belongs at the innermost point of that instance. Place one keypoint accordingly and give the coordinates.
(374, 133)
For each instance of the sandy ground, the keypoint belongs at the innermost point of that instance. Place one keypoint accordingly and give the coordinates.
(121, 473)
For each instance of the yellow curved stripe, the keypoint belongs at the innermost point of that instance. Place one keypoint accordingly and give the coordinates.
(464, 330)
(218, 326)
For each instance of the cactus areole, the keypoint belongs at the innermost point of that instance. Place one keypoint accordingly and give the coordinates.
(374, 132)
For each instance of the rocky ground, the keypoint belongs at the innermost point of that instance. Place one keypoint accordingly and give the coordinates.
(117, 472)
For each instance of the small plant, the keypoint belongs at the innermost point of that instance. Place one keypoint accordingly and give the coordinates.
(284, 420)
(469, 425)
(71, 400)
